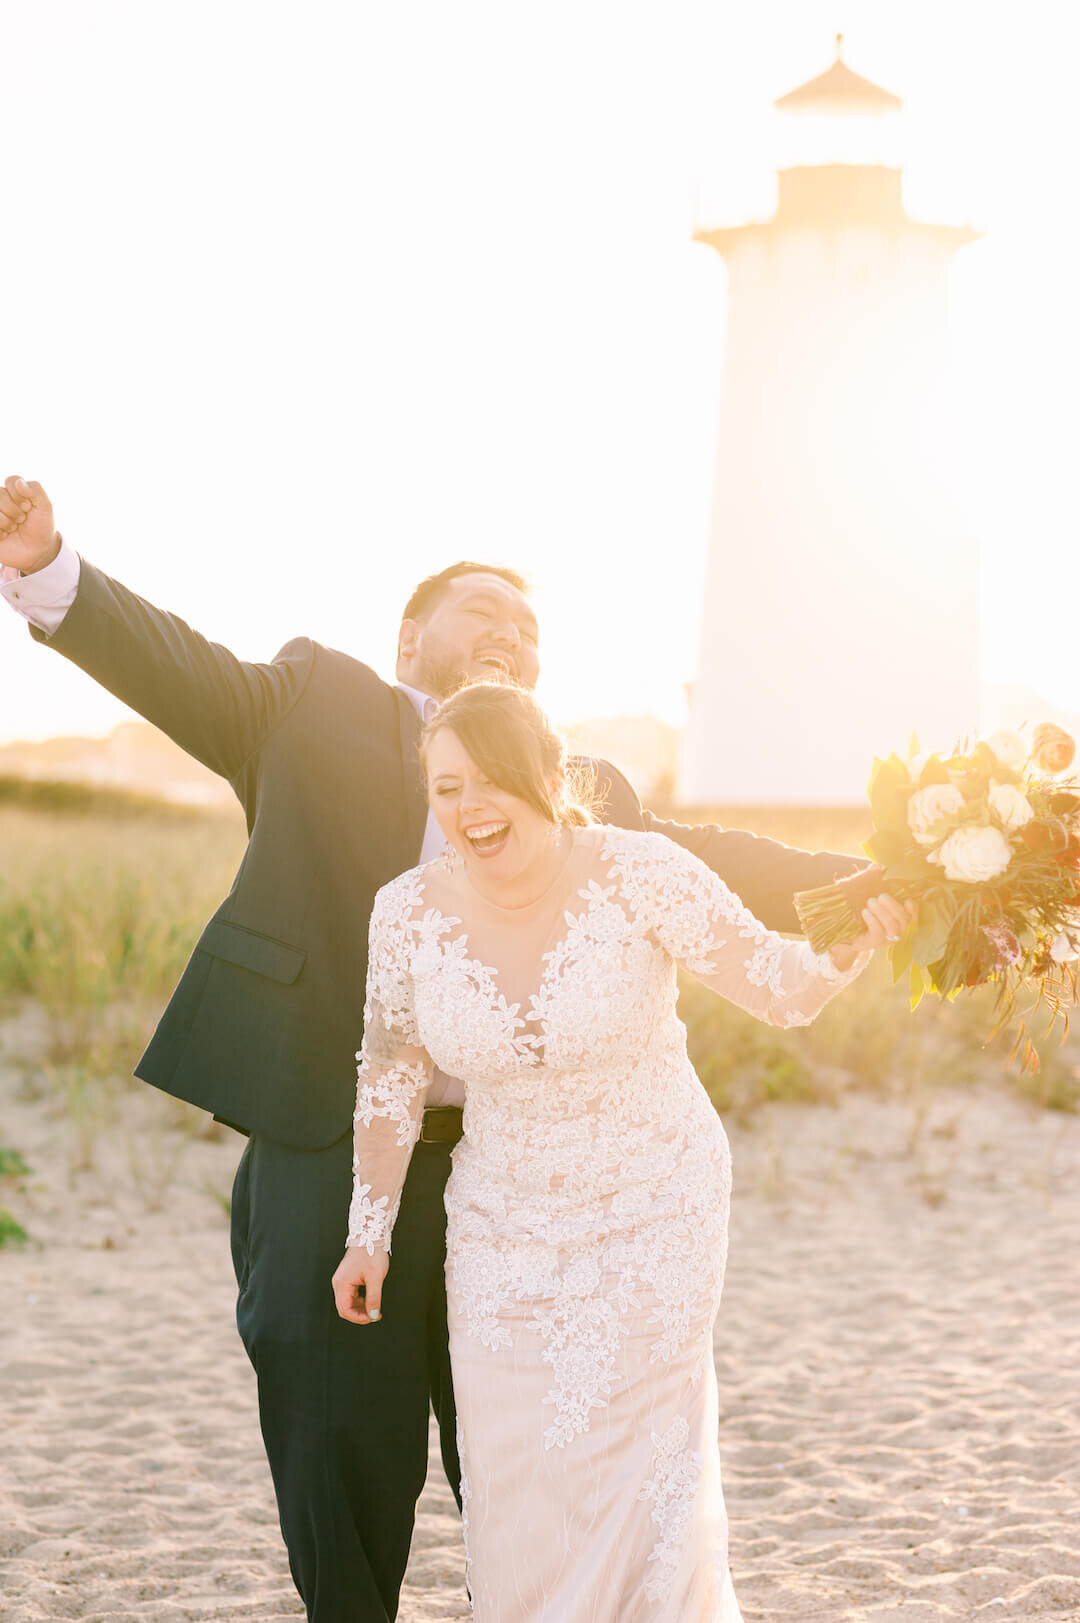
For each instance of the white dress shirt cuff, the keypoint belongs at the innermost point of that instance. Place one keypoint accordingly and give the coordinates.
(45, 597)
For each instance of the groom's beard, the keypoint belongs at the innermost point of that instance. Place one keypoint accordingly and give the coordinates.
(441, 670)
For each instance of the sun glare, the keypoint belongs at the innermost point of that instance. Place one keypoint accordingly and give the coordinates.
(388, 297)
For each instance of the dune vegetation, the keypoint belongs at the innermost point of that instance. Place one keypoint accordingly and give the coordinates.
(102, 896)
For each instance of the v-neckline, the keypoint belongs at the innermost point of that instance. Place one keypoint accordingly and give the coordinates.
(531, 1041)
(532, 1044)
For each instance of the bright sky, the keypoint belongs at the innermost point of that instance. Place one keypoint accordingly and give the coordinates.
(303, 301)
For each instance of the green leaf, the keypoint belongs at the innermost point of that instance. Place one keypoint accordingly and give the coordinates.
(900, 956)
(887, 848)
(890, 790)
(917, 986)
(931, 934)
(914, 869)
(934, 771)
(985, 759)
(947, 976)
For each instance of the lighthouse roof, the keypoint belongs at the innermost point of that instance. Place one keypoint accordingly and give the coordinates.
(839, 89)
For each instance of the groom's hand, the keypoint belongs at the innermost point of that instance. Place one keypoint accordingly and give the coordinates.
(28, 538)
(358, 1283)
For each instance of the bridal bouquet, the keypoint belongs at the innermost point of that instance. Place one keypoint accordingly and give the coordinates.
(988, 844)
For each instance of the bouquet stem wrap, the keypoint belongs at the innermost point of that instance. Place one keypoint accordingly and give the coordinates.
(832, 914)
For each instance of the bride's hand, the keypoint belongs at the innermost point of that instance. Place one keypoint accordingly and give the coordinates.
(886, 921)
(358, 1282)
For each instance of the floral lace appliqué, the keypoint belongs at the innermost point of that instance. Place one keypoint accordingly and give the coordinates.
(589, 1197)
(670, 1490)
(371, 1222)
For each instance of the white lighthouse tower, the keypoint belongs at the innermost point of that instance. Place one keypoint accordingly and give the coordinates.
(840, 607)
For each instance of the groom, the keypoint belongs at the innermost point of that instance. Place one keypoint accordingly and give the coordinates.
(264, 1025)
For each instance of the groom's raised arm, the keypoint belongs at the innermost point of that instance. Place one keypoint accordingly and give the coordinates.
(217, 707)
(763, 873)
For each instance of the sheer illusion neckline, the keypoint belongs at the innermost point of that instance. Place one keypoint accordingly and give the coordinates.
(527, 909)
(513, 954)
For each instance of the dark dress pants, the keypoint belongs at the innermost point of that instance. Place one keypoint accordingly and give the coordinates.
(343, 1407)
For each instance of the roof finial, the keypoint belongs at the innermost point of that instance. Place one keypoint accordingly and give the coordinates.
(839, 47)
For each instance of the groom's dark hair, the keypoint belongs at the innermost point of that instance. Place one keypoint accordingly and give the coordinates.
(429, 591)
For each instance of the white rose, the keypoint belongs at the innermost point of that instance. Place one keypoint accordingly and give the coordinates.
(928, 806)
(1064, 950)
(1010, 805)
(1009, 748)
(973, 854)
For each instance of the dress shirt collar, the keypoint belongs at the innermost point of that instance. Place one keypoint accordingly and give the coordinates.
(424, 705)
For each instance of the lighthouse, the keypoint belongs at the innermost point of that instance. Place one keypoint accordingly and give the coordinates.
(841, 593)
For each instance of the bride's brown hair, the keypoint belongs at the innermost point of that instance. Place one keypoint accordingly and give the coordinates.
(515, 746)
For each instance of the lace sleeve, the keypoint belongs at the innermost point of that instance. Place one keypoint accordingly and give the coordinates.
(708, 931)
(393, 1078)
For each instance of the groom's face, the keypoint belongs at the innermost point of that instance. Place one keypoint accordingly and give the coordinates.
(481, 629)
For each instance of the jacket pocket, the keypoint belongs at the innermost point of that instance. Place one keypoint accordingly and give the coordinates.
(249, 950)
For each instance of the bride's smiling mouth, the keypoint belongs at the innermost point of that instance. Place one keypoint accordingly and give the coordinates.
(487, 839)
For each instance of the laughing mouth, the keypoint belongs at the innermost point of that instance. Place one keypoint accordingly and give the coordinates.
(498, 662)
(487, 838)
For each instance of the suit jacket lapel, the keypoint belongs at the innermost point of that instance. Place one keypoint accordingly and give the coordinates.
(415, 793)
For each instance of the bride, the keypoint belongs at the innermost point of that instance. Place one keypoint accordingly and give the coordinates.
(588, 1202)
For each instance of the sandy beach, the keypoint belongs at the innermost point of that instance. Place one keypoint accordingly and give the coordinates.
(898, 1353)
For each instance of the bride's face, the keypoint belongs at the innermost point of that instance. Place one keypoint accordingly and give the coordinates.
(496, 833)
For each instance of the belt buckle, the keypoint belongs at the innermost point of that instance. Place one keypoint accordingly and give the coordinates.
(442, 1113)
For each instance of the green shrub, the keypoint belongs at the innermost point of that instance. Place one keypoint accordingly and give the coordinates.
(12, 1164)
(11, 1232)
(101, 904)
(98, 916)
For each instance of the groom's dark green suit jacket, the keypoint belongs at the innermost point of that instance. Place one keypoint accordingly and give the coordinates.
(265, 1023)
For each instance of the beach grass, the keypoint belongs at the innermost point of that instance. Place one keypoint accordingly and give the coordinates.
(103, 895)
(101, 901)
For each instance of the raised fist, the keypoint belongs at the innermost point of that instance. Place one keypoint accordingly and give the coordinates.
(28, 538)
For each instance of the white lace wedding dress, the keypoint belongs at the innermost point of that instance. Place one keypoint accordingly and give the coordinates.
(587, 1208)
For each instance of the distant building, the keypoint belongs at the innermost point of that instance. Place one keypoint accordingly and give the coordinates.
(840, 608)
(134, 757)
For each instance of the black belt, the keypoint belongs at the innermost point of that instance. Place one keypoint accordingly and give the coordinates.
(441, 1124)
